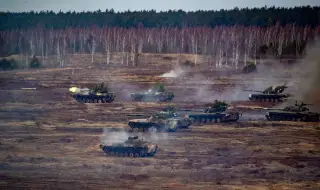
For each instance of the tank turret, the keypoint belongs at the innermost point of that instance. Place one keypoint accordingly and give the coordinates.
(216, 106)
(132, 147)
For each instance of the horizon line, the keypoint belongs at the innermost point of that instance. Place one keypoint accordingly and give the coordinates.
(159, 11)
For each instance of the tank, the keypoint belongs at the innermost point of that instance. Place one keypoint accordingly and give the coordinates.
(214, 112)
(249, 68)
(133, 147)
(99, 94)
(162, 121)
(156, 93)
(297, 112)
(270, 94)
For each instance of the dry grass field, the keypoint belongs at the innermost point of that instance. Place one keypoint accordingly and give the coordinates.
(50, 141)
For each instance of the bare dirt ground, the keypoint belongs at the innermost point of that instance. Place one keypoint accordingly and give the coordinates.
(50, 141)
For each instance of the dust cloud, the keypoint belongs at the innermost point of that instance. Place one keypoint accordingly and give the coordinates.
(109, 137)
(307, 77)
(177, 71)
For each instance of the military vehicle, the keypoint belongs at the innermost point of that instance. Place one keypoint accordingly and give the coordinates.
(156, 93)
(133, 147)
(271, 94)
(298, 112)
(162, 121)
(99, 94)
(249, 68)
(213, 112)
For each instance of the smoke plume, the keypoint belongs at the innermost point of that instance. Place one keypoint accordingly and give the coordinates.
(308, 77)
(177, 71)
(110, 136)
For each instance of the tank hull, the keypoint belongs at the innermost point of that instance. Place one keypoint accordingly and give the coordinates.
(129, 151)
(170, 125)
(92, 98)
(268, 97)
(150, 97)
(214, 117)
(290, 116)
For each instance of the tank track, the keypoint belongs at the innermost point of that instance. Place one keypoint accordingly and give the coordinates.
(127, 151)
(146, 99)
(213, 118)
(153, 128)
(268, 98)
(94, 99)
(141, 97)
(294, 117)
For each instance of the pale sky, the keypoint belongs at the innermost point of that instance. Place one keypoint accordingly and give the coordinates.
(158, 5)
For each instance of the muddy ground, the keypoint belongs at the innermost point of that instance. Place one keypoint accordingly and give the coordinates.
(50, 141)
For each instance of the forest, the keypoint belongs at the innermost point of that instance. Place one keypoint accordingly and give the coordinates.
(262, 17)
(238, 34)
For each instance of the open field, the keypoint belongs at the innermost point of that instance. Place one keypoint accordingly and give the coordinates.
(48, 140)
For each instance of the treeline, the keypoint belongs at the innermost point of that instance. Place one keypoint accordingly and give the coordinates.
(262, 17)
(237, 43)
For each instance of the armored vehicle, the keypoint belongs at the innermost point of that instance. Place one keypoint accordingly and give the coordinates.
(271, 94)
(298, 112)
(133, 147)
(162, 121)
(213, 112)
(249, 68)
(156, 93)
(99, 94)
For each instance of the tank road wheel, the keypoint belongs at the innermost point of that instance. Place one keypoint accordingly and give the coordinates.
(217, 120)
(203, 120)
(136, 155)
(136, 130)
(198, 120)
(85, 100)
(152, 129)
(141, 154)
(272, 118)
(131, 154)
(193, 120)
(112, 153)
(105, 150)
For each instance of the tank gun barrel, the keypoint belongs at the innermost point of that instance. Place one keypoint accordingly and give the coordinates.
(273, 109)
(253, 91)
(190, 110)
